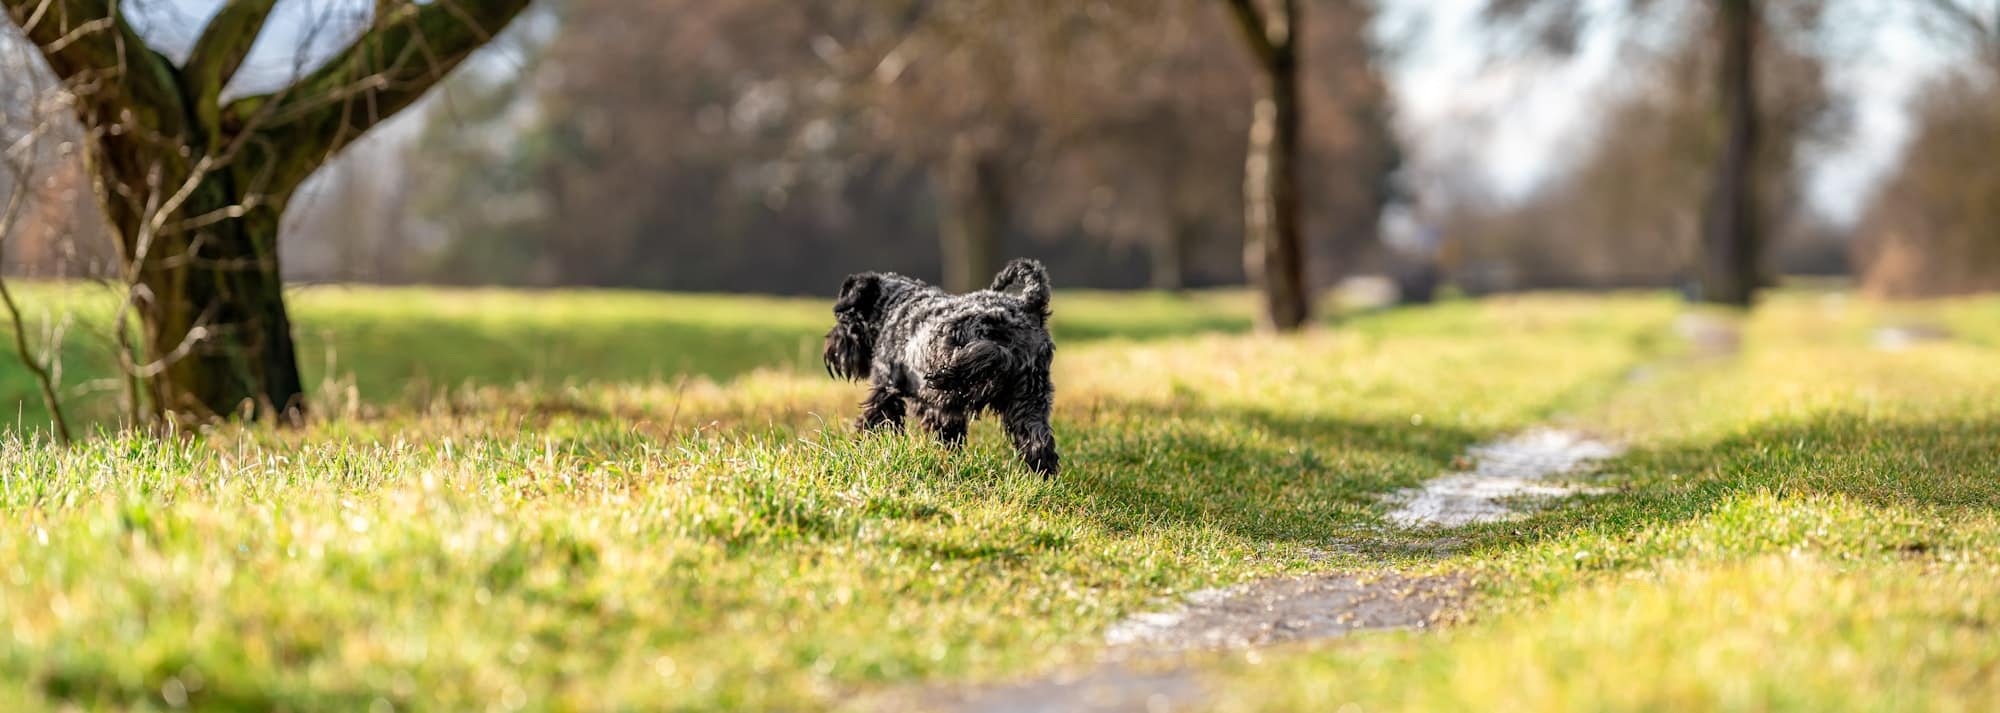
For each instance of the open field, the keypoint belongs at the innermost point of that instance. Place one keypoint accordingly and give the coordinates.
(630, 501)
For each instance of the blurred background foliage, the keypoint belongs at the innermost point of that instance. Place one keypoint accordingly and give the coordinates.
(768, 146)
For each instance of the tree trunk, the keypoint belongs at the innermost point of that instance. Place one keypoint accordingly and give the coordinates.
(1170, 254)
(1731, 250)
(1273, 252)
(218, 339)
(975, 220)
(196, 185)
(1274, 228)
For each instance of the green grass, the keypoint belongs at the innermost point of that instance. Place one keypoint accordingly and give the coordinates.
(396, 347)
(627, 501)
(1808, 525)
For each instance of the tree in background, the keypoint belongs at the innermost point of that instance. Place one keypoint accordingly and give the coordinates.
(1142, 139)
(999, 97)
(967, 91)
(26, 122)
(49, 237)
(1728, 269)
(481, 213)
(661, 144)
(795, 142)
(1631, 211)
(195, 186)
(1274, 234)
(1931, 230)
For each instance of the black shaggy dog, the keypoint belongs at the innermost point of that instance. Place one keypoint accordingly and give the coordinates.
(955, 356)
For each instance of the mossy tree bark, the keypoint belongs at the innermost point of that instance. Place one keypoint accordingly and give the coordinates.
(196, 187)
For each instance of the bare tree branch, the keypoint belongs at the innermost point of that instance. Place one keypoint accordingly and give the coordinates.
(1960, 15)
(381, 73)
(1955, 17)
(84, 39)
(16, 199)
(220, 52)
(1256, 30)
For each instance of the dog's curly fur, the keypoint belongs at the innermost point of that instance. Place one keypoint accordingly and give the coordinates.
(954, 356)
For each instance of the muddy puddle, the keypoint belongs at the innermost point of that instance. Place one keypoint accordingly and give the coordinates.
(1505, 473)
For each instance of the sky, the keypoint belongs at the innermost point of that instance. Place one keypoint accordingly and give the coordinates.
(321, 27)
(1450, 87)
(1509, 121)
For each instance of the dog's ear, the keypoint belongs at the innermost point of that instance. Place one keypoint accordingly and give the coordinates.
(850, 345)
(859, 295)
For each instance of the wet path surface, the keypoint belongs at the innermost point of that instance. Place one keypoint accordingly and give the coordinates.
(1905, 336)
(1281, 610)
(1151, 662)
(1528, 465)
(1112, 687)
(1148, 667)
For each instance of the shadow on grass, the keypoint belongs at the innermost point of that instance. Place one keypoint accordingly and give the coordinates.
(1950, 467)
(1263, 478)
(1319, 482)
(387, 359)
(1266, 477)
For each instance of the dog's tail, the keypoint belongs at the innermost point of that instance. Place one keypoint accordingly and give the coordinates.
(1031, 277)
(969, 374)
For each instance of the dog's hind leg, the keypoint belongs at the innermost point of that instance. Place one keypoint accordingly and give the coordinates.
(883, 408)
(1027, 420)
(948, 425)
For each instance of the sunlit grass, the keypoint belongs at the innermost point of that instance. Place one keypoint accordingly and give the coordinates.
(1803, 632)
(645, 523)
(394, 348)
(1807, 525)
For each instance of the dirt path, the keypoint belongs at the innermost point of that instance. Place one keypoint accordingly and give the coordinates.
(1905, 336)
(1151, 664)
(1275, 611)
(1505, 472)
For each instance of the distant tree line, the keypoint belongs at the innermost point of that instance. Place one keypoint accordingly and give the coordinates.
(773, 146)
(1935, 228)
(764, 146)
